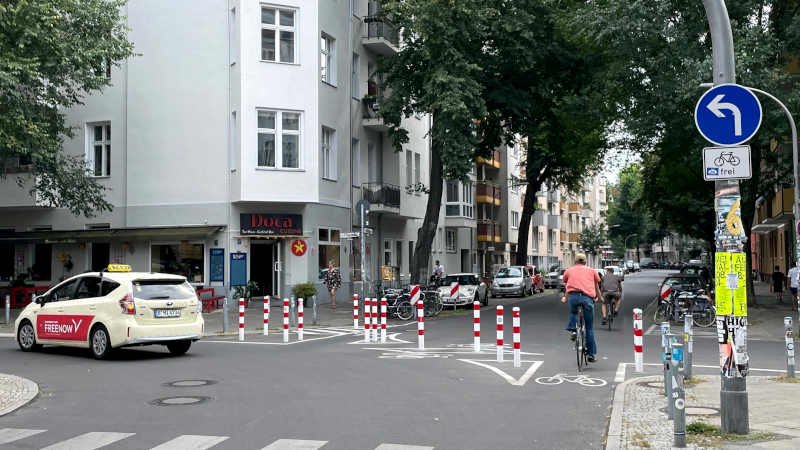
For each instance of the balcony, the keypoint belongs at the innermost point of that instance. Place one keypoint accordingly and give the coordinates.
(574, 208)
(371, 118)
(492, 160)
(539, 218)
(489, 231)
(380, 36)
(487, 193)
(553, 221)
(382, 197)
(564, 236)
(573, 237)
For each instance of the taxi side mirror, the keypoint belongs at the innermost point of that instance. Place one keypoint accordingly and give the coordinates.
(39, 299)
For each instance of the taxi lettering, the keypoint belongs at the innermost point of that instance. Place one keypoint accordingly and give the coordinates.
(63, 327)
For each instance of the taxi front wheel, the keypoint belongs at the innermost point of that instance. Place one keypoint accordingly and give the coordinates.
(26, 338)
(179, 347)
(100, 343)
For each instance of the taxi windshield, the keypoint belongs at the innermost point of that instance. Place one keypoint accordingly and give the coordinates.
(162, 289)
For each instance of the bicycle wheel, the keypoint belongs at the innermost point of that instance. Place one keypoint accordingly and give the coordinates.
(405, 311)
(719, 161)
(438, 305)
(734, 160)
(580, 345)
(609, 315)
(591, 382)
(662, 313)
(706, 317)
(550, 381)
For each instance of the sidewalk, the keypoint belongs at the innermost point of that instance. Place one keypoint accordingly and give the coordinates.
(15, 392)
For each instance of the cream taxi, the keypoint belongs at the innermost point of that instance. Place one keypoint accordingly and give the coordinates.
(113, 308)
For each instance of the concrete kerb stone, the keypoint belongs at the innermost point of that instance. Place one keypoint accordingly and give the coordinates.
(614, 437)
(15, 392)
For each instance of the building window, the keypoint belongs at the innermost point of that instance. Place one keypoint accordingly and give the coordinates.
(459, 199)
(328, 240)
(398, 246)
(278, 129)
(354, 87)
(409, 168)
(183, 258)
(328, 148)
(387, 252)
(417, 167)
(327, 59)
(450, 240)
(42, 269)
(6, 261)
(514, 219)
(98, 153)
(355, 161)
(278, 34)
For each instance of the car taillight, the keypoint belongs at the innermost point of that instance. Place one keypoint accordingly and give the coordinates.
(127, 305)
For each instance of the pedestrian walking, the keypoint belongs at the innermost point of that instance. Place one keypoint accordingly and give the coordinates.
(792, 281)
(778, 281)
(332, 281)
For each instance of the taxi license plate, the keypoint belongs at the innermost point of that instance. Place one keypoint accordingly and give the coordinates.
(167, 313)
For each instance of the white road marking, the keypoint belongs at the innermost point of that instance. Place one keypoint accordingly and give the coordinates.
(620, 377)
(89, 441)
(6, 335)
(191, 441)
(294, 444)
(651, 329)
(401, 447)
(511, 380)
(14, 434)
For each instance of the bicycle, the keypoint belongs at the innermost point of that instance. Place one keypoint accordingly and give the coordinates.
(581, 351)
(398, 304)
(583, 380)
(673, 308)
(432, 303)
(608, 300)
(728, 157)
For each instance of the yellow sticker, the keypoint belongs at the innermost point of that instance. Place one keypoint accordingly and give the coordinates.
(119, 268)
(733, 221)
(722, 294)
(739, 267)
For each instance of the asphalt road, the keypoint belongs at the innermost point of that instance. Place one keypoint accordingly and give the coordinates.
(349, 394)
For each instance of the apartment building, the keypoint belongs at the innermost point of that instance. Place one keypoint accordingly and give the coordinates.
(235, 147)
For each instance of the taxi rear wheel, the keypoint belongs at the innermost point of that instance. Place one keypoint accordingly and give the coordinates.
(179, 347)
(26, 338)
(99, 342)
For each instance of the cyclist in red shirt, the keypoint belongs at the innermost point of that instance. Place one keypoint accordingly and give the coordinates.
(582, 287)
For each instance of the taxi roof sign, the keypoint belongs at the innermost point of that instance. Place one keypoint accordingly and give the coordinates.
(119, 268)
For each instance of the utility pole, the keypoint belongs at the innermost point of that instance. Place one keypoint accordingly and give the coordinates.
(733, 393)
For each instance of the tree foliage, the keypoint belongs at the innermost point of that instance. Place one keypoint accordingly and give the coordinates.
(52, 53)
(592, 238)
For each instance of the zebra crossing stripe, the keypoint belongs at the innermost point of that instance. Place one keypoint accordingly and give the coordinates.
(193, 441)
(89, 441)
(14, 434)
(294, 444)
(401, 447)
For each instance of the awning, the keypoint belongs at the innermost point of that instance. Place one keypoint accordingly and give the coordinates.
(69, 236)
(772, 224)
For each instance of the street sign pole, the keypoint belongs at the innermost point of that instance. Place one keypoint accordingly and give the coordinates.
(733, 393)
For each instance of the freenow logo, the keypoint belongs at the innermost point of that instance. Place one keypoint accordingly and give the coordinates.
(712, 171)
(53, 327)
(72, 327)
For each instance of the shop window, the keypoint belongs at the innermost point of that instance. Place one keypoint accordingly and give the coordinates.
(329, 241)
(182, 258)
(42, 262)
(6, 262)
(450, 238)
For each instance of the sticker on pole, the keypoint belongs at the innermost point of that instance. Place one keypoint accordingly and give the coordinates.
(728, 114)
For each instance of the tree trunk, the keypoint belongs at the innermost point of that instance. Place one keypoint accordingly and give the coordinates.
(528, 208)
(422, 250)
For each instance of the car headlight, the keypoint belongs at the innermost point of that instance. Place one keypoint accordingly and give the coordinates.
(494, 283)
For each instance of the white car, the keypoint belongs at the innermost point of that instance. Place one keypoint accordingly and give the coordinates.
(617, 271)
(470, 289)
(111, 309)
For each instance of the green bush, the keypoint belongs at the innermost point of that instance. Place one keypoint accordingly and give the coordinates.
(304, 290)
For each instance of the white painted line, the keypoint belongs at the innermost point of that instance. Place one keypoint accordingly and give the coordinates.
(294, 444)
(620, 377)
(89, 441)
(14, 434)
(651, 329)
(401, 447)
(511, 380)
(193, 441)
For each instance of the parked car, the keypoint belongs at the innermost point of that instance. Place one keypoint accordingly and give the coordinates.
(537, 280)
(696, 269)
(512, 280)
(648, 263)
(554, 279)
(617, 271)
(470, 289)
(682, 282)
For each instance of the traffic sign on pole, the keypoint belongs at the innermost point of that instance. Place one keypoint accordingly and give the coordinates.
(728, 114)
(727, 163)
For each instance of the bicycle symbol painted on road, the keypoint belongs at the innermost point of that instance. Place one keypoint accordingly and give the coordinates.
(583, 380)
(727, 157)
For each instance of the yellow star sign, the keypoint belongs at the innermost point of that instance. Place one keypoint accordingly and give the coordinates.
(298, 248)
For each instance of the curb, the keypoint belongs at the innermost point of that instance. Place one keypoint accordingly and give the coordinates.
(30, 390)
(614, 437)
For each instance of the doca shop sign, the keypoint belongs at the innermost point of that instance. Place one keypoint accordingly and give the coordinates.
(271, 224)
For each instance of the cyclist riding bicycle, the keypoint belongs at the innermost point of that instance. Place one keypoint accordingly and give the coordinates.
(611, 287)
(582, 289)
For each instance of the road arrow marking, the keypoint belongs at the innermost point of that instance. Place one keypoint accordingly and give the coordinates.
(511, 380)
(716, 107)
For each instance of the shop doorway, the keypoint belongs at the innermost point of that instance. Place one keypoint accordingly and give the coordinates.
(101, 255)
(262, 265)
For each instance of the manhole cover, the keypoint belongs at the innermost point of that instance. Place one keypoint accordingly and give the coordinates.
(190, 383)
(701, 411)
(180, 401)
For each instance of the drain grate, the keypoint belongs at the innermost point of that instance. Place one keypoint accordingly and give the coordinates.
(180, 401)
(189, 383)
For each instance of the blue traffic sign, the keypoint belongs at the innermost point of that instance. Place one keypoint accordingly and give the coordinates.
(728, 114)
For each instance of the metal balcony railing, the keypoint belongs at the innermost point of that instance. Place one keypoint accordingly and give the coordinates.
(381, 194)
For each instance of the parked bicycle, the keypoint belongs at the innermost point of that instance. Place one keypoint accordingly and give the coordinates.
(398, 303)
(678, 303)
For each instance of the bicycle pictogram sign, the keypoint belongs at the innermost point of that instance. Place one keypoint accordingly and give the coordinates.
(727, 157)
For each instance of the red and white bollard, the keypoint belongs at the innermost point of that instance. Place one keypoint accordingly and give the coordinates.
(241, 319)
(476, 326)
(355, 311)
(499, 333)
(299, 319)
(454, 293)
(266, 315)
(638, 357)
(515, 335)
(420, 325)
(384, 307)
(286, 320)
(367, 319)
(374, 337)
(414, 295)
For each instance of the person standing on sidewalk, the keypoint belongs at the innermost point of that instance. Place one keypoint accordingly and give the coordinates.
(333, 280)
(778, 281)
(792, 281)
(582, 289)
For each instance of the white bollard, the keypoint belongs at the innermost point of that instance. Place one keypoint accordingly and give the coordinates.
(420, 325)
(367, 319)
(374, 336)
(638, 357)
(414, 295)
(499, 333)
(299, 319)
(241, 319)
(384, 306)
(266, 315)
(515, 331)
(355, 311)
(286, 320)
(476, 326)
(454, 293)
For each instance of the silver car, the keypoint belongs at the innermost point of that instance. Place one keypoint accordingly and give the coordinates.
(512, 280)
